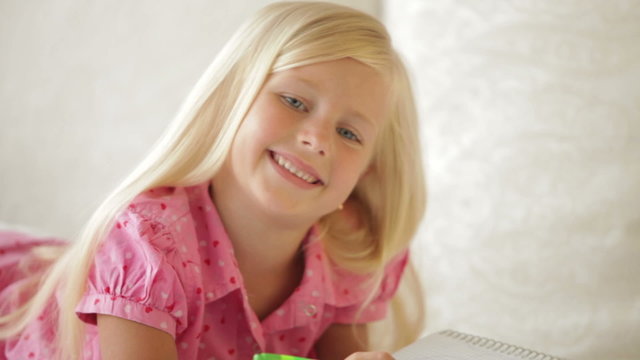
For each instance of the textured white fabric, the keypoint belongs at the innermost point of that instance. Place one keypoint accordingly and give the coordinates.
(531, 115)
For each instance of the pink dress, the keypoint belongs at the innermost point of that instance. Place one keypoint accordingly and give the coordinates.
(169, 264)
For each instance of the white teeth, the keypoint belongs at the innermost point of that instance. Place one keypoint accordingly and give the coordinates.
(292, 169)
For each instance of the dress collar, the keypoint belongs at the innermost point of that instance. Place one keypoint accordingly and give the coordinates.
(303, 306)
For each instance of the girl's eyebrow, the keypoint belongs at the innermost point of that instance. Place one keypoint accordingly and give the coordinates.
(363, 119)
(306, 82)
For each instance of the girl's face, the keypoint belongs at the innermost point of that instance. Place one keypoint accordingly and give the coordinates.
(307, 139)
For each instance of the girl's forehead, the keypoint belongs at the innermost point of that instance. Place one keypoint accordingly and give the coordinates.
(345, 75)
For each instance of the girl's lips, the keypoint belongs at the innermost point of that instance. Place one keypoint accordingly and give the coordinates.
(293, 167)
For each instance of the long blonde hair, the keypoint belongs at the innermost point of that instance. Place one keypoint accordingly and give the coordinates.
(279, 37)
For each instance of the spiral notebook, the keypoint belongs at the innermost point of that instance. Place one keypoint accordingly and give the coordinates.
(453, 345)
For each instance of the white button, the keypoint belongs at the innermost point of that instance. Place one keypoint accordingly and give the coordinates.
(310, 310)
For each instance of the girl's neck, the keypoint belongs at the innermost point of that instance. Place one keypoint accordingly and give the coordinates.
(261, 241)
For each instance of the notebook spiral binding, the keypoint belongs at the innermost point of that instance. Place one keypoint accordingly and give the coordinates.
(498, 346)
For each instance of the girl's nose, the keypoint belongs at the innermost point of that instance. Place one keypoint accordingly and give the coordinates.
(315, 137)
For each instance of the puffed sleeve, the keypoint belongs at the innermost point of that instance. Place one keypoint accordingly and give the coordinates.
(133, 278)
(351, 292)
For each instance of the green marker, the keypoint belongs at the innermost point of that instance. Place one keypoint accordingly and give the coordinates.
(267, 356)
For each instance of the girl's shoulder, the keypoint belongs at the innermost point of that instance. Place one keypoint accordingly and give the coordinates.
(145, 268)
(168, 206)
(352, 287)
(161, 218)
(164, 204)
(362, 297)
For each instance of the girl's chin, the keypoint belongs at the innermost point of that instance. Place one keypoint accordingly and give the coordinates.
(292, 210)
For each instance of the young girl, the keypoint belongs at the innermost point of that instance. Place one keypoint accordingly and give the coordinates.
(273, 216)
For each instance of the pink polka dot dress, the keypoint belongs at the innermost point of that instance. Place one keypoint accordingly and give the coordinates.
(169, 264)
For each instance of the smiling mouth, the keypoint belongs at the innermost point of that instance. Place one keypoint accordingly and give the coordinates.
(288, 166)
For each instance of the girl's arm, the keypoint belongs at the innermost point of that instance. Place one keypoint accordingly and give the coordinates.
(124, 339)
(345, 341)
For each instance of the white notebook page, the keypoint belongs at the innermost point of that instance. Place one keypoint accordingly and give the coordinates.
(450, 345)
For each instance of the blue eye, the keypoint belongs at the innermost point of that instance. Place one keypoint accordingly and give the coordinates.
(348, 134)
(294, 103)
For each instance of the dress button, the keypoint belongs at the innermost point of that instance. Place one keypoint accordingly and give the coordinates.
(310, 310)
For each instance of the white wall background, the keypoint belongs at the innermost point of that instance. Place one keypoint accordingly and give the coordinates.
(531, 115)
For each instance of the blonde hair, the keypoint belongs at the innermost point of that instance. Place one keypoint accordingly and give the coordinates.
(279, 37)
